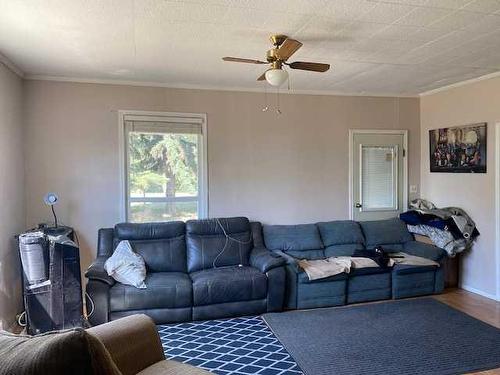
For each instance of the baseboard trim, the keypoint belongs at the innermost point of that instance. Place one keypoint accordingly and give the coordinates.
(480, 292)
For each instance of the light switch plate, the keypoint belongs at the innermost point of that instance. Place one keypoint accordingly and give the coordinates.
(413, 189)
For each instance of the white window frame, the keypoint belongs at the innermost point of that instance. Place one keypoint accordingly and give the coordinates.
(202, 157)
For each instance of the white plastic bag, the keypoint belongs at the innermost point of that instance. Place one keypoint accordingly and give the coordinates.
(126, 267)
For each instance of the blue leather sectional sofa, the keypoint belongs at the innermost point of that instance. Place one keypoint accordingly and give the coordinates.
(336, 238)
(194, 272)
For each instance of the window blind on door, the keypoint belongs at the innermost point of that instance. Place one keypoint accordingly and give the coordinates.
(379, 177)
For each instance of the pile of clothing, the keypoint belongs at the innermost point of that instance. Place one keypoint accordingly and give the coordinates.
(449, 228)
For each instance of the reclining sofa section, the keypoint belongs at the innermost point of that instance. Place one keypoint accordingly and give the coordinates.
(201, 269)
(337, 238)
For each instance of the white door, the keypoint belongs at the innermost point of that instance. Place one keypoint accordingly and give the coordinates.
(378, 174)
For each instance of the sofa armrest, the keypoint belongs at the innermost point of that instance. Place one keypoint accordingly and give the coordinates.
(424, 250)
(98, 291)
(289, 260)
(133, 342)
(105, 242)
(264, 260)
(96, 271)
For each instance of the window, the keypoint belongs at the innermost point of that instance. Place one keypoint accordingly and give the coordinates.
(164, 166)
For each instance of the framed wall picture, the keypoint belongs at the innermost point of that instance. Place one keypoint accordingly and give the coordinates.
(460, 149)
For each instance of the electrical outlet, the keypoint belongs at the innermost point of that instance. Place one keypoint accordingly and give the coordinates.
(413, 189)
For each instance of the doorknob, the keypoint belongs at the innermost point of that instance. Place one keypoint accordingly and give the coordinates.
(358, 205)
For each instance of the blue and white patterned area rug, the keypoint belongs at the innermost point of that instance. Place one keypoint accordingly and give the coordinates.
(228, 347)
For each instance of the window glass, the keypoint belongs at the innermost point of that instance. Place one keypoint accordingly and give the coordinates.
(163, 176)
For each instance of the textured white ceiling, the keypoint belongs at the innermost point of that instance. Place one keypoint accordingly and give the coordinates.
(401, 47)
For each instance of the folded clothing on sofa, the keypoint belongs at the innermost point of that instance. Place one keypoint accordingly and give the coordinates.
(449, 228)
(441, 238)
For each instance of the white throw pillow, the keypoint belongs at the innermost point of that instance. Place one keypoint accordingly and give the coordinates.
(126, 266)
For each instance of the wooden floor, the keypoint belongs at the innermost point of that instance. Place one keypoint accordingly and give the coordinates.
(479, 307)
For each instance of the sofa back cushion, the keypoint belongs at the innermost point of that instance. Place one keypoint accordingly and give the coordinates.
(390, 233)
(341, 237)
(218, 242)
(162, 245)
(301, 241)
(66, 352)
(347, 249)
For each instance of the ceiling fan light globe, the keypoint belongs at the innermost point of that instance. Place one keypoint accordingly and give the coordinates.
(276, 77)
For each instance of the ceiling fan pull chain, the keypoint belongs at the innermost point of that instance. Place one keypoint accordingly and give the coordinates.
(266, 106)
(278, 110)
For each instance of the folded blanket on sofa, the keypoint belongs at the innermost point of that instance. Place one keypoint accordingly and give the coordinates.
(323, 268)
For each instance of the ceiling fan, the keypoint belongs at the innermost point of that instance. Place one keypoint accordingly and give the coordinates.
(277, 57)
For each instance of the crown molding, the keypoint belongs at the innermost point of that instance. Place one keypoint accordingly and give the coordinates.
(35, 77)
(11, 66)
(461, 83)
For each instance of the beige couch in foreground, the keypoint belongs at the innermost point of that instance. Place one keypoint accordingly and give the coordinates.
(127, 346)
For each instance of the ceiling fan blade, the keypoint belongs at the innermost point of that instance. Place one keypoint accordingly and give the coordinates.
(262, 77)
(248, 61)
(288, 48)
(313, 67)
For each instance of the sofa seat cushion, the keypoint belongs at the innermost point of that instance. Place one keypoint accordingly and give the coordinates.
(302, 278)
(424, 250)
(164, 290)
(228, 284)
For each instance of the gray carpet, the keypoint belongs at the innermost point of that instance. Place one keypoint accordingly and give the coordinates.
(418, 336)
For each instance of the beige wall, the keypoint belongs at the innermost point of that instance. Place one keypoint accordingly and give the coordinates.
(12, 218)
(471, 103)
(278, 169)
